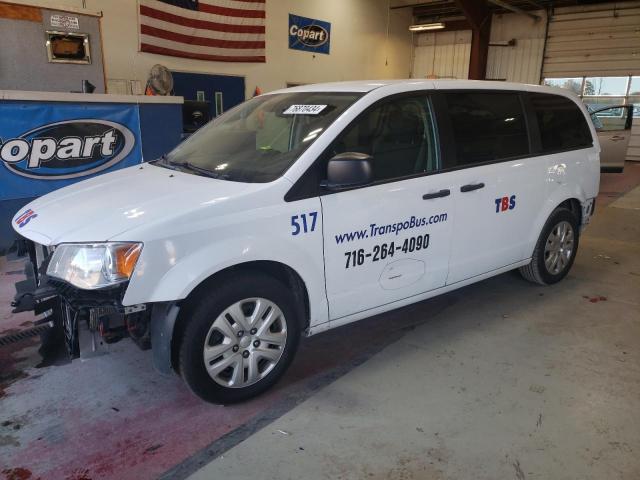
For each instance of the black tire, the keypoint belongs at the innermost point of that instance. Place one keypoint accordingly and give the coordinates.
(537, 271)
(205, 308)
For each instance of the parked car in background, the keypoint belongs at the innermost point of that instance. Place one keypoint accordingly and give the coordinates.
(306, 209)
(613, 126)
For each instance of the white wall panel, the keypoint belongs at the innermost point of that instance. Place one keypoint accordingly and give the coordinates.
(442, 55)
(523, 61)
(446, 54)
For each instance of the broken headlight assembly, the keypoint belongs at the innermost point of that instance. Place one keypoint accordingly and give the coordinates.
(91, 266)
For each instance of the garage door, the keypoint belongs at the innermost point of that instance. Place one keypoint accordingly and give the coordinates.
(594, 40)
(600, 40)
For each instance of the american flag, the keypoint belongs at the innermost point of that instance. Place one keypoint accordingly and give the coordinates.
(215, 30)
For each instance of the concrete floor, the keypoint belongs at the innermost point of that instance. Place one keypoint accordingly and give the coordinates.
(511, 381)
(502, 379)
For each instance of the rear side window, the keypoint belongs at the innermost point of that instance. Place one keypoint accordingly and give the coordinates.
(487, 126)
(562, 124)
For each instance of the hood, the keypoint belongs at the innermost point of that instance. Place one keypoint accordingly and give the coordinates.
(110, 205)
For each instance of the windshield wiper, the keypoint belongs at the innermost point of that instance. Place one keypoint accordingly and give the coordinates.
(201, 171)
(189, 166)
(163, 161)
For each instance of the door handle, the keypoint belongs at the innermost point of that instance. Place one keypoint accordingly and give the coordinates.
(441, 193)
(616, 138)
(471, 187)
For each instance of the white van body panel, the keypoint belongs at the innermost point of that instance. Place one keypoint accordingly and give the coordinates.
(176, 262)
(360, 272)
(193, 227)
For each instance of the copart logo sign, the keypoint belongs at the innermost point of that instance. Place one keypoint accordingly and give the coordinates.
(67, 149)
(309, 34)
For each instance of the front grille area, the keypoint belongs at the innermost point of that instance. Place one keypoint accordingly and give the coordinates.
(36, 271)
(94, 312)
(88, 298)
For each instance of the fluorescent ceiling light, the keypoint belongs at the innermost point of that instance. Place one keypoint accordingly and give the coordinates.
(422, 27)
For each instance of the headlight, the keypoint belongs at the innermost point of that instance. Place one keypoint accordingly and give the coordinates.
(94, 265)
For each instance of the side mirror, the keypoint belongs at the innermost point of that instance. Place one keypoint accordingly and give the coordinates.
(347, 170)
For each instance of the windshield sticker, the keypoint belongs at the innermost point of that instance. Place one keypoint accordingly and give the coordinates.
(304, 109)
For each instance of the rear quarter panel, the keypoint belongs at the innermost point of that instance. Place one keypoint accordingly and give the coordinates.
(573, 174)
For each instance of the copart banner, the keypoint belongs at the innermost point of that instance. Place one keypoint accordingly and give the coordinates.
(46, 146)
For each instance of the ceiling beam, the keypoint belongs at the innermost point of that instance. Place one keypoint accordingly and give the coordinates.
(514, 9)
(535, 4)
(476, 11)
(418, 5)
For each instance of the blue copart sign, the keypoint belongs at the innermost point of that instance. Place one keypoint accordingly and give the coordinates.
(46, 146)
(309, 34)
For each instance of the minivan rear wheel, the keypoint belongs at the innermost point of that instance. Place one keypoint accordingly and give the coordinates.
(240, 337)
(555, 250)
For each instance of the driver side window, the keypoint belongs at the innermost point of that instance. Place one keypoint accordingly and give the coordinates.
(399, 136)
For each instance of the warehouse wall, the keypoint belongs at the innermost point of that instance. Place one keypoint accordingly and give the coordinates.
(523, 61)
(446, 54)
(442, 55)
(359, 47)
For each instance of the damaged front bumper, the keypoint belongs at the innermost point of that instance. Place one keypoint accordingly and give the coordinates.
(92, 320)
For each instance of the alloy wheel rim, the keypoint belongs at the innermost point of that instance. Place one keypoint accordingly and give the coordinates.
(245, 343)
(559, 248)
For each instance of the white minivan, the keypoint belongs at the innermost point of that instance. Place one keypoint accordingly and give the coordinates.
(309, 208)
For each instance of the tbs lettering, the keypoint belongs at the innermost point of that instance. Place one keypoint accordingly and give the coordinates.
(505, 203)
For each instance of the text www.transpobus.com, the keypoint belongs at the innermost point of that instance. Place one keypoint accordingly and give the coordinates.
(376, 230)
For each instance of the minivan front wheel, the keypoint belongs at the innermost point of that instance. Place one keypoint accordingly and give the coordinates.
(555, 250)
(239, 339)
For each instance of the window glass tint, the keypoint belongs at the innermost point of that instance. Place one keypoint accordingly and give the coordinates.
(562, 125)
(634, 88)
(398, 134)
(487, 126)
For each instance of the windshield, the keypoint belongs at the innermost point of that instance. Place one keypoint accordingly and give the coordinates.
(260, 139)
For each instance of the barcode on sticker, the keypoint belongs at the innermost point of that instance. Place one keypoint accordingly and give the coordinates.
(304, 109)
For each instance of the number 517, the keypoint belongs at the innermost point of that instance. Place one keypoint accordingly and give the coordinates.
(295, 223)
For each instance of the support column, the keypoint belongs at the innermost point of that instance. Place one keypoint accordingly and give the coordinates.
(479, 16)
